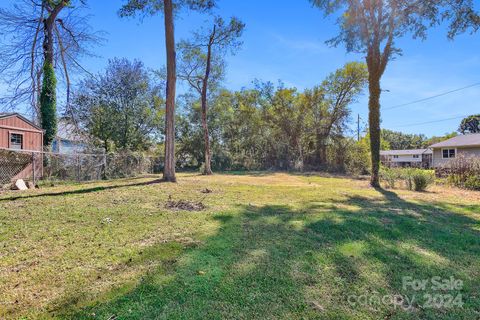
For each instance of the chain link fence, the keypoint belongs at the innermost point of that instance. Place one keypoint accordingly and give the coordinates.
(33, 166)
(19, 165)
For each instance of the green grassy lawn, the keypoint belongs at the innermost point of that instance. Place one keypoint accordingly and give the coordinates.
(267, 246)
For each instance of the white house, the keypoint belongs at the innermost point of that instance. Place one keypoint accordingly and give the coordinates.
(68, 140)
(421, 158)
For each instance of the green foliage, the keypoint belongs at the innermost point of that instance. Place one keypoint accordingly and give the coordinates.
(221, 38)
(422, 179)
(436, 139)
(390, 176)
(384, 144)
(48, 104)
(413, 178)
(470, 124)
(152, 7)
(358, 160)
(401, 141)
(473, 182)
(120, 108)
(275, 127)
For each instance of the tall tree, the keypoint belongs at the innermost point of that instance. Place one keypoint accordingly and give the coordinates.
(48, 104)
(470, 124)
(372, 27)
(48, 96)
(329, 104)
(153, 7)
(36, 37)
(202, 65)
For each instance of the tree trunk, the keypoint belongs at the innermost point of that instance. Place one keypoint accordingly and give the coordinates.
(208, 166)
(48, 40)
(321, 150)
(48, 25)
(318, 155)
(374, 125)
(169, 169)
(48, 109)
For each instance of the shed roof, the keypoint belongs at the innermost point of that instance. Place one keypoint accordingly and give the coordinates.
(405, 152)
(464, 140)
(18, 115)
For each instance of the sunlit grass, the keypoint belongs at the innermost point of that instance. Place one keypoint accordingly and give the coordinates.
(269, 246)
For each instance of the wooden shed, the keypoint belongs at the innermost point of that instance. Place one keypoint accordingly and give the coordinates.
(21, 146)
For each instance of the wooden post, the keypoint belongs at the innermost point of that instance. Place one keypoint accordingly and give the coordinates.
(33, 167)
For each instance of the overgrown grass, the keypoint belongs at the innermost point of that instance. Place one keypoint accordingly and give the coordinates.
(268, 246)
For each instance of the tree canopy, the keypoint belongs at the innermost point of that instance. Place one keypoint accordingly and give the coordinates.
(274, 127)
(401, 141)
(470, 124)
(120, 108)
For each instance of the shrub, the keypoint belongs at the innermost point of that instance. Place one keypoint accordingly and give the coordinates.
(390, 176)
(414, 179)
(357, 160)
(463, 172)
(407, 176)
(473, 183)
(422, 179)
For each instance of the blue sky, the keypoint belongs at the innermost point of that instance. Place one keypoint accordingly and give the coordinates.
(285, 41)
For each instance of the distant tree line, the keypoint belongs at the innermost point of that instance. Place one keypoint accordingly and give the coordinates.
(257, 128)
(395, 140)
(264, 127)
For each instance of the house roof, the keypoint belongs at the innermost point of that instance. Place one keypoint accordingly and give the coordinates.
(15, 114)
(464, 140)
(405, 152)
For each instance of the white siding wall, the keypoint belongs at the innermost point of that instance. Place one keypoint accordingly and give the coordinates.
(406, 158)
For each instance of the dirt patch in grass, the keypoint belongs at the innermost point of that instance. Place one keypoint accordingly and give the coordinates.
(184, 205)
(206, 190)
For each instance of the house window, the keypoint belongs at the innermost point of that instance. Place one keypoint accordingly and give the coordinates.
(416, 156)
(448, 153)
(395, 157)
(16, 141)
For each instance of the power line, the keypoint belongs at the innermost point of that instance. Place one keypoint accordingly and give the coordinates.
(432, 97)
(428, 122)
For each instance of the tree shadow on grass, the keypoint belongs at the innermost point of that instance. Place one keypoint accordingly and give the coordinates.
(82, 190)
(273, 262)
